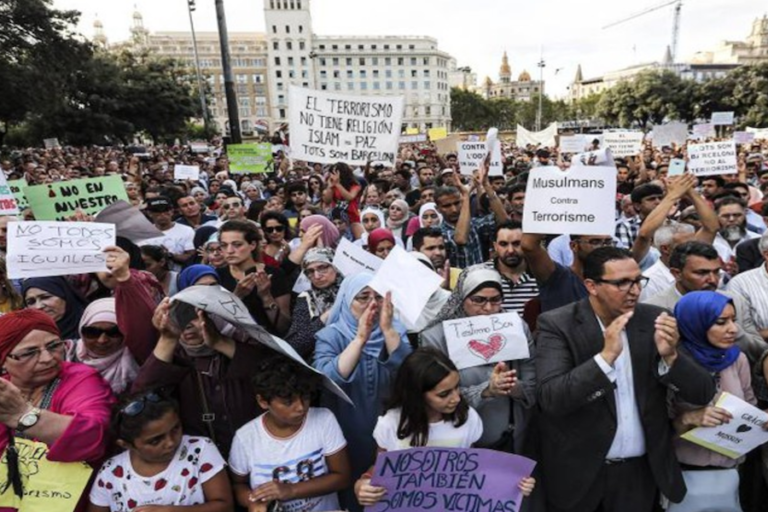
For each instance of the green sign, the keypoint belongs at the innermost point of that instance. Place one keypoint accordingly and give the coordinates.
(59, 201)
(249, 158)
(17, 187)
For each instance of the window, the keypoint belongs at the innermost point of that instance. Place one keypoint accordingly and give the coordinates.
(287, 29)
(375, 61)
(277, 61)
(322, 47)
(336, 73)
(401, 73)
(388, 73)
(337, 86)
(413, 73)
(290, 61)
(363, 74)
(301, 27)
(274, 29)
(275, 45)
(426, 73)
(322, 61)
(301, 45)
(362, 61)
(281, 99)
(281, 113)
(291, 74)
(241, 79)
(278, 74)
(386, 47)
(375, 73)
(303, 61)
(335, 47)
(323, 87)
(427, 110)
(414, 85)
(305, 84)
(279, 86)
(376, 86)
(411, 47)
(323, 73)
(361, 47)
(347, 46)
(401, 86)
(413, 61)
(387, 61)
(363, 86)
(426, 61)
(427, 84)
(335, 61)
(400, 61)
(350, 73)
(289, 45)
(399, 47)
(350, 86)
(373, 47)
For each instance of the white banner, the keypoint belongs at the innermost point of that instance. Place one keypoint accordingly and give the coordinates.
(413, 139)
(670, 133)
(480, 340)
(721, 118)
(599, 157)
(712, 158)
(351, 259)
(760, 133)
(624, 144)
(572, 143)
(50, 248)
(327, 127)
(579, 201)
(545, 137)
(703, 131)
(743, 137)
(51, 143)
(8, 204)
(471, 155)
(186, 172)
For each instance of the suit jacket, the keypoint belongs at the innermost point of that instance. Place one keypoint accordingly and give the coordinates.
(748, 255)
(749, 339)
(578, 421)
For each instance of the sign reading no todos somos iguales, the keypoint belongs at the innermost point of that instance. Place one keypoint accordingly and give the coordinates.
(712, 158)
(330, 128)
(578, 202)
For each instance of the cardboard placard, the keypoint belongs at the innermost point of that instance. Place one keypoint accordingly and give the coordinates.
(413, 139)
(60, 200)
(472, 154)
(8, 204)
(669, 134)
(760, 133)
(436, 134)
(17, 189)
(676, 167)
(743, 137)
(624, 144)
(351, 259)
(479, 340)
(712, 158)
(448, 144)
(52, 143)
(572, 143)
(249, 158)
(704, 130)
(722, 118)
(186, 172)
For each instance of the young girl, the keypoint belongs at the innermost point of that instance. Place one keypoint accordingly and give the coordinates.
(160, 469)
(426, 409)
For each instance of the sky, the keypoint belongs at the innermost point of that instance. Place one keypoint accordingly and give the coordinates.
(564, 32)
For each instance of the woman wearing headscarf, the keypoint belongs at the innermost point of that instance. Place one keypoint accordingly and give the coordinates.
(397, 218)
(707, 324)
(360, 349)
(380, 242)
(197, 275)
(330, 236)
(65, 407)
(490, 388)
(371, 218)
(312, 307)
(428, 217)
(55, 297)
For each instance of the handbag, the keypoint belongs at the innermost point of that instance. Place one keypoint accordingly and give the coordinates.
(709, 490)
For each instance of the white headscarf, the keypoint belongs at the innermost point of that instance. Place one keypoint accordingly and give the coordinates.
(430, 207)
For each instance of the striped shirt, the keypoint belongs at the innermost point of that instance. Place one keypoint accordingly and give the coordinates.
(515, 295)
(753, 286)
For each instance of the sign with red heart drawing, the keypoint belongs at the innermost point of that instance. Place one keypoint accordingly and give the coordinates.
(480, 340)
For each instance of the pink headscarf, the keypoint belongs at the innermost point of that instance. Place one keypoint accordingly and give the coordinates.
(377, 236)
(330, 236)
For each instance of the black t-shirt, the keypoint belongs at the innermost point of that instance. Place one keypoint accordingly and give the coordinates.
(413, 197)
(279, 287)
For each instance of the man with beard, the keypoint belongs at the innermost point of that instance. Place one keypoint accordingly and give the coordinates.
(516, 201)
(733, 229)
(518, 287)
(426, 178)
(430, 243)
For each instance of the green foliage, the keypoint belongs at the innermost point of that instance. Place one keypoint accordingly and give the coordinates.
(472, 112)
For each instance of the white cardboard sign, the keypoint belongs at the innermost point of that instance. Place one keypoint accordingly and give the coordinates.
(712, 158)
(472, 154)
(51, 143)
(670, 133)
(572, 143)
(413, 139)
(704, 130)
(411, 283)
(351, 259)
(480, 340)
(50, 248)
(580, 201)
(186, 172)
(597, 157)
(8, 204)
(741, 435)
(743, 137)
(722, 118)
(327, 127)
(624, 144)
(760, 133)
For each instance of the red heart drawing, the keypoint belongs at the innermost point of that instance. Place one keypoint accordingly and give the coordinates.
(487, 349)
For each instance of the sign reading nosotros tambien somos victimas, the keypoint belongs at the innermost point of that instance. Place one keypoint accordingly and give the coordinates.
(580, 201)
(331, 128)
(712, 158)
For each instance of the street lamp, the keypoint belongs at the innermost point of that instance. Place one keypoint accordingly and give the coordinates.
(191, 7)
(541, 65)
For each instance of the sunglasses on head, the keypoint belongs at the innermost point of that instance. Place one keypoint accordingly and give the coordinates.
(136, 407)
(274, 229)
(96, 332)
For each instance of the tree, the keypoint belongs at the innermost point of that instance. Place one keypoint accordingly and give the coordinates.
(470, 111)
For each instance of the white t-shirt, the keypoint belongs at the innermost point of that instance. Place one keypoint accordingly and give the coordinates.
(443, 434)
(264, 458)
(177, 240)
(120, 488)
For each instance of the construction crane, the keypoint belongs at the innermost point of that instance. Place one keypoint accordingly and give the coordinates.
(678, 4)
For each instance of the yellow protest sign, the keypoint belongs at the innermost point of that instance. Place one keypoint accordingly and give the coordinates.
(411, 131)
(437, 133)
(49, 486)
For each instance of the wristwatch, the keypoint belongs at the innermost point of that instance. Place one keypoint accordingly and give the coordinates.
(29, 419)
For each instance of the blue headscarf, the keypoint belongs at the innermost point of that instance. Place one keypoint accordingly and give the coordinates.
(342, 320)
(75, 304)
(192, 273)
(696, 313)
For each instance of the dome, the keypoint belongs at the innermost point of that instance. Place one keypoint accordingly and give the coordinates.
(487, 82)
(98, 24)
(505, 69)
(524, 77)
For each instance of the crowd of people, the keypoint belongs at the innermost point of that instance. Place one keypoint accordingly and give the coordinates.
(633, 335)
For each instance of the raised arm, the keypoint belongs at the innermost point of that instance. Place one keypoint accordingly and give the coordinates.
(540, 264)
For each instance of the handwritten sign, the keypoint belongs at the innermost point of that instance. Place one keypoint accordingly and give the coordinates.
(669, 134)
(46, 248)
(743, 137)
(327, 127)
(421, 479)
(48, 485)
(413, 139)
(472, 154)
(721, 118)
(580, 201)
(51, 143)
(597, 157)
(437, 133)
(411, 283)
(760, 133)
(186, 172)
(249, 158)
(351, 259)
(8, 204)
(712, 158)
(480, 340)
(448, 144)
(624, 144)
(198, 147)
(59, 201)
(704, 130)
(738, 437)
(572, 143)
(17, 188)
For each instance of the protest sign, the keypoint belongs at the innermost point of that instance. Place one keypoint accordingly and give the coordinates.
(721, 118)
(580, 201)
(411, 283)
(8, 204)
(572, 143)
(676, 167)
(478, 340)
(198, 147)
(448, 144)
(437, 133)
(702, 131)
(249, 158)
(351, 259)
(411, 131)
(48, 485)
(472, 154)
(328, 127)
(743, 137)
(413, 139)
(421, 479)
(624, 144)
(712, 158)
(46, 248)
(186, 172)
(670, 133)
(760, 133)
(59, 201)
(17, 189)
(129, 222)
(51, 143)
(225, 305)
(545, 137)
(597, 157)
(736, 438)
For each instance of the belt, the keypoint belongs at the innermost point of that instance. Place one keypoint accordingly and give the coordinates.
(614, 462)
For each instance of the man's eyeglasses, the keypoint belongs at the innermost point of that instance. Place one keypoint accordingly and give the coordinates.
(137, 406)
(597, 242)
(625, 285)
(52, 347)
(95, 332)
(318, 270)
(479, 300)
(274, 229)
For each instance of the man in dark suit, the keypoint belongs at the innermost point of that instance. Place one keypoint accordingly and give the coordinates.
(604, 366)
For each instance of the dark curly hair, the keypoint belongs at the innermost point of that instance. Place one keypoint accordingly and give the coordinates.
(281, 377)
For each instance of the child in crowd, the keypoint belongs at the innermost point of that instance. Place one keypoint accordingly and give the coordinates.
(425, 409)
(293, 453)
(160, 469)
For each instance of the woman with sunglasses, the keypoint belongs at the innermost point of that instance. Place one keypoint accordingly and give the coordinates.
(502, 393)
(277, 234)
(160, 468)
(47, 404)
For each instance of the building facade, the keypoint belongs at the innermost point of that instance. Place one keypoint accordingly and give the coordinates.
(752, 51)
(522, 89)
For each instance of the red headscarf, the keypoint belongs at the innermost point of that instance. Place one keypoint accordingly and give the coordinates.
(377, 236)
(15, 325)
